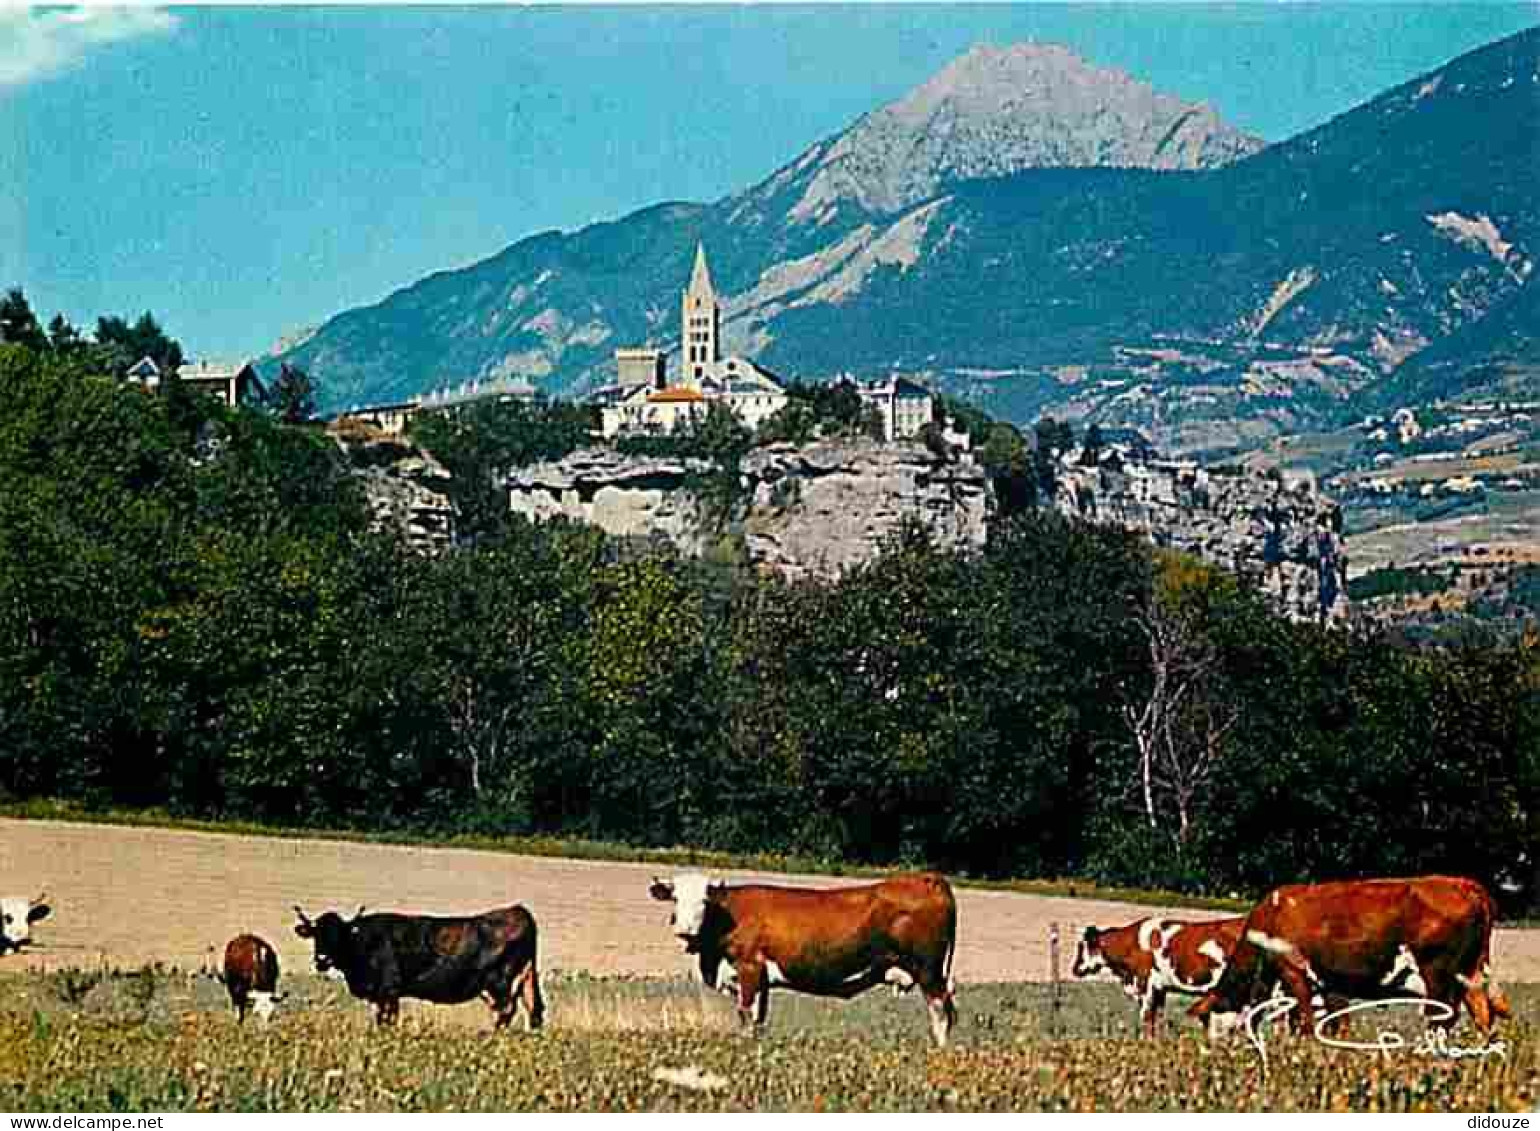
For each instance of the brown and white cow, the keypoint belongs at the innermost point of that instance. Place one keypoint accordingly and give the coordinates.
(828, 942)
(1153, 957)
(1428, 937)
(17, 914)
(250, 975)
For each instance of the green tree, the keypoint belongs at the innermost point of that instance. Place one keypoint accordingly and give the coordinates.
(18, 325)
(481, 442)
(292, 398)
(121, 344)
(63, 338)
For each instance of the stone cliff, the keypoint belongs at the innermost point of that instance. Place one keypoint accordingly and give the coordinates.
(827, 507)
(815, 510)
(624, 496)
(1284, 538)
(406, 489)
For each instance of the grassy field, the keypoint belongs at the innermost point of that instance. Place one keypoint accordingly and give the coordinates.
(77, 1040)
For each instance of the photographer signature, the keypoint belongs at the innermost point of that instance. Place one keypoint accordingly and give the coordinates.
(1435, 1042)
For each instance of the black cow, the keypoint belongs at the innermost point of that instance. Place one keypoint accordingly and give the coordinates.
(386, 957)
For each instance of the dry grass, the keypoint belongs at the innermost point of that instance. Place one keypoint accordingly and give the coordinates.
(603, 1052)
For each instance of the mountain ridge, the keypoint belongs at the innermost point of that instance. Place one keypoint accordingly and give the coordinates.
(1215, 305)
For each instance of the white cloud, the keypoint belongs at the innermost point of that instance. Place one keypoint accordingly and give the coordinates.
(36, 43)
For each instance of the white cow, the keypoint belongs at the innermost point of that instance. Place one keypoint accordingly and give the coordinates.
(17, 914)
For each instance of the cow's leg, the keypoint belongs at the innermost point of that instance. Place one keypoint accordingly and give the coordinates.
(751, 981)
(1484, 997)
(1149, 1009)
(1436, 983)
(499, 996)
(937, 988)
(943, 1015)
(1480, 1009)
(1339, 1027)
(534, 1001)
(1298, 984)
(387, 1010)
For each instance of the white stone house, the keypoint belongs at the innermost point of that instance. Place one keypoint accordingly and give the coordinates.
(903, 406)
(231, 384)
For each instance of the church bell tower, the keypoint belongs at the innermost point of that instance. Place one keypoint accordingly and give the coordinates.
(700, 323)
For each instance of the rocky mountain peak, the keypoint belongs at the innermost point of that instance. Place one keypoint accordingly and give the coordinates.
(998, 110)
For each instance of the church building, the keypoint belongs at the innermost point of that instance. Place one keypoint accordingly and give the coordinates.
(644, 402)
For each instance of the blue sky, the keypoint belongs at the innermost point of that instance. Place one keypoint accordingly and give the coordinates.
(244, 172)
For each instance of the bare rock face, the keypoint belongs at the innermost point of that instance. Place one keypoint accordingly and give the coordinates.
(812, 511)
(625, 496)
(830, 506)
(1285, 539)
(995, 111)
(406, 489)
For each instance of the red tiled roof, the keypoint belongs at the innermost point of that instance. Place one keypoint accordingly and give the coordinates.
(678, 394)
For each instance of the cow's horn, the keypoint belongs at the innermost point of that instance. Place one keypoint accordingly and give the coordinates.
(303, 918)
(41, 896)
(360, 911)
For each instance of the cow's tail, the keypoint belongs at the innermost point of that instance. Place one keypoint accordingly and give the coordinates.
(534, 1000)
(948, 982)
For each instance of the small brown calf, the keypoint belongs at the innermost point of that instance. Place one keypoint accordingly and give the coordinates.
(251, 976)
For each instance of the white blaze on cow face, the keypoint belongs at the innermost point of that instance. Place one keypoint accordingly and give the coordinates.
(690, 898)
(264, 1003)
(1088, 956)
(17, 914)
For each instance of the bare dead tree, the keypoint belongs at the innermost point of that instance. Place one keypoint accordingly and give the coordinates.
(1180, 727)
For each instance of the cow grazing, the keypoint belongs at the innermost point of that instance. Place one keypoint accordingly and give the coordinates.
(17, 914)
(1428, 937)
(385, 957)
(1154, 957)
(832, 943)
(250, 975)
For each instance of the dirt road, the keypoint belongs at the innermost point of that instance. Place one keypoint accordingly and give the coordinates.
(130, 896)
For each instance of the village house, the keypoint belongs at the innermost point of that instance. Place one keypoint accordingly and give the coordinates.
(904, 406)
(390, 419)
(393, 417)
(231, 384)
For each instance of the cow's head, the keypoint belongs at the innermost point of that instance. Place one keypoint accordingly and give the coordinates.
(264, 1003)
(333, 937)
(1089, 959)
(17, 914)
(693, 895)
